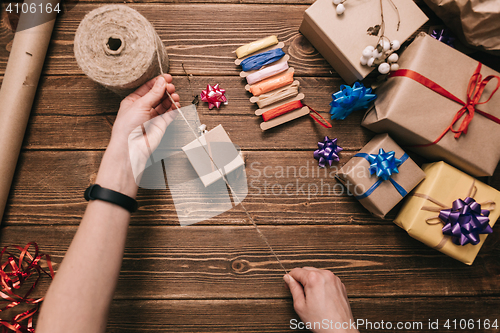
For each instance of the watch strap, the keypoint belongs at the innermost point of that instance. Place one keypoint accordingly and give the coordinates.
(96, 192)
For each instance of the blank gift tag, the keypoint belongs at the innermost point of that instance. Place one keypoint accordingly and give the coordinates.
(223, 155)
(180, 164)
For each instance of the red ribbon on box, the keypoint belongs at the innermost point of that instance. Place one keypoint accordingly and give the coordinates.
(475, 90)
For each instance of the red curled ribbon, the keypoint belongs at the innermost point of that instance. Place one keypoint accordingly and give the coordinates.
(13, 274)
(475, 90)
(282, 109)
(323, 123)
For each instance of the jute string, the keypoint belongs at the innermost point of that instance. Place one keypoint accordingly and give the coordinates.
(118, 48)
(262, 236)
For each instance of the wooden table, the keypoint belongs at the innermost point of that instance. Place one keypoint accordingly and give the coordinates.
(218, 276)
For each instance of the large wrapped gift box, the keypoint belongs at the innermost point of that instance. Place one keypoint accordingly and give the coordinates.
(464, 222)
(341, 39)
(416, 116)
(380, 175)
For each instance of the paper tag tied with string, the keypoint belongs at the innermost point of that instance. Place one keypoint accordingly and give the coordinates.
(163, 152)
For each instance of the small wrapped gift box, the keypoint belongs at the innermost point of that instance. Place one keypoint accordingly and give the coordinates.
(380, 175)
(450, 211)
(442, 105)
(341, 38)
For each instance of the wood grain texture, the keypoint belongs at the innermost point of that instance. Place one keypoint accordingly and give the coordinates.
(192, 36)
(285, 188)
(274, 315)
(76, 113)
(48, 190)
(232, 262)
(218, 276)
(203, 44)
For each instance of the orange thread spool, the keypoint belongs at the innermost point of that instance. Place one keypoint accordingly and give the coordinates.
(282, 109)
(272, 83)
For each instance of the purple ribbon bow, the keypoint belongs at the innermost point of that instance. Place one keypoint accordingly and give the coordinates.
(465, 221)
(444, 35)
(327, 152)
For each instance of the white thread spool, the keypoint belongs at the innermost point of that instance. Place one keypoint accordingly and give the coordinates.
(117, 47)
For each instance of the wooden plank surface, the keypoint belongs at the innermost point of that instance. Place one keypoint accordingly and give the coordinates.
(274, 315)
(232, 262)
(77, 113)
(218, 276)
(192, 36)
(287, 189)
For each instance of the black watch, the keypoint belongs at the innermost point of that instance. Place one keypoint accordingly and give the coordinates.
(96, 192)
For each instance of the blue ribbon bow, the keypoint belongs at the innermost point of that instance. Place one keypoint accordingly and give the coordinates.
(465, 221)
(384, 165)
(350, 99)
(327, 152)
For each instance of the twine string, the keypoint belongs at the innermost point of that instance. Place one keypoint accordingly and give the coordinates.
(278, 95)
(262, 236)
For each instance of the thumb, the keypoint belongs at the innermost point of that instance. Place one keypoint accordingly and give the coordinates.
(296, 290)
(153, 97)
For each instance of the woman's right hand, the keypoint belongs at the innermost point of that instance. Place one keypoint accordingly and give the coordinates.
(320, 296)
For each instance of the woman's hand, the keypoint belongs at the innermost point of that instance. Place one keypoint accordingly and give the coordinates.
(320, 296)
(147, 104)
(147, 110)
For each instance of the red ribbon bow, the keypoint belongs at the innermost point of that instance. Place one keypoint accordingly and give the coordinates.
(475, 90)
(13, 275)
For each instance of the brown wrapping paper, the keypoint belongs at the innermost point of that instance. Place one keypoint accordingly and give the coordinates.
(413, 114)
(356, 177)
(18, 91)
(341, 39)
(475, 22)
(445, 184)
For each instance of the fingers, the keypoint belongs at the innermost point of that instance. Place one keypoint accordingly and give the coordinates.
(154, 97)
(304, 275)
(166, 105)
(299, 298)
(146, 87)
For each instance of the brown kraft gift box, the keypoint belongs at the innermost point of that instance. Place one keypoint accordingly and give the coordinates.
(445, 184)
(355, 175)
(341, 39)
(416, 115)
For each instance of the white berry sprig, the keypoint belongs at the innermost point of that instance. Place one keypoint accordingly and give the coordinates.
(340, 6)
(382, 56)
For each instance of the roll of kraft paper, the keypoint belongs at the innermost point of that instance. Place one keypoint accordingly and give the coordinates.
(19, 87)
(117, 47)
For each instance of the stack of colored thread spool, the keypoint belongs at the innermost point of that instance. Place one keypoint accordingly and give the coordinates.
(271, 82)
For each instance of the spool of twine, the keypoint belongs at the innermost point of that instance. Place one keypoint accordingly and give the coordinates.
(117, 47)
